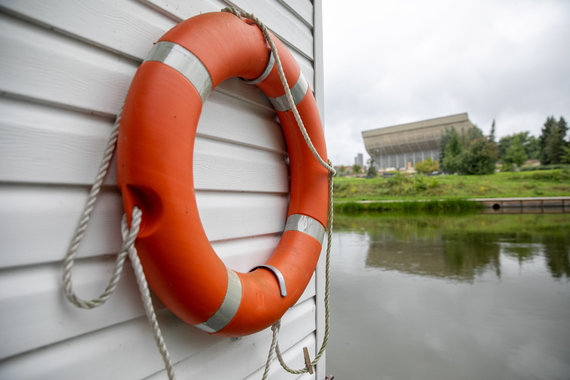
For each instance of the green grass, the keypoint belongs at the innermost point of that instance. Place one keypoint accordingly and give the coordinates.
(410, 188)
(432, 206)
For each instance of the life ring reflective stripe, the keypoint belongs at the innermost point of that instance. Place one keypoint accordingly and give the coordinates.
(154, 172)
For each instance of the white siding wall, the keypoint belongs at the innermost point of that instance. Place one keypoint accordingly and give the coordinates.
(65, 66)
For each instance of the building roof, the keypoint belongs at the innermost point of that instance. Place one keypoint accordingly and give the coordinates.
(412, 137)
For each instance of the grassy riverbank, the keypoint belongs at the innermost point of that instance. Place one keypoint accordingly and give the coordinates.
(444, 193)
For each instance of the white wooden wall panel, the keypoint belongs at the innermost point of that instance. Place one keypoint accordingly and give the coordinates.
(37, 223)
(49, 67)
(122, 352)
(133, 28)
(125, 27)
(300, 326)
(39, 286)
(66, 66)
(49, 214)
(303, 9)
(284, 24)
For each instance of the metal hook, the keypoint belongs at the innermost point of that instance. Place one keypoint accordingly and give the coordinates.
(278, 275)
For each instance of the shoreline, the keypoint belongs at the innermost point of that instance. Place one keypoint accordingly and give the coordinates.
(558, 204)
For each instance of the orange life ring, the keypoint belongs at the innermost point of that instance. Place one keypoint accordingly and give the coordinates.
(154, 172)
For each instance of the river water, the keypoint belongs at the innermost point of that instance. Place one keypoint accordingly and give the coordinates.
(450, 297)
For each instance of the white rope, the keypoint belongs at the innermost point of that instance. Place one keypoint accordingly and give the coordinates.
(332, 172)
(127, 248)
(274, 331)
(143, 288)
(281, 73)
(82, 227)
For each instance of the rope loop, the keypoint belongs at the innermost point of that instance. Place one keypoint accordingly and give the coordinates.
(127, 248)
(129, 236)
(289, 96)
(71, 253)
(332, 172)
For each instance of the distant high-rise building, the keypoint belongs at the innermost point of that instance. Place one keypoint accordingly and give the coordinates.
(359, 159)
(402, 146)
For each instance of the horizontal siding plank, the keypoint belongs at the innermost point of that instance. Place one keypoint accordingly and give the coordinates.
(293, 357)
(125, 27)
(248, 357)
(37, 223)
(36, 154)
(286, 26)
(53, 68)
(235, 215)
(130, 27)
(243, 254)
(40, 156)
(306, 68)
(32, 303)
(223, 118)
(302, 8)
(183, 10)
(49, 67)
(222, 166)
(229, 119)
(292, 31)
(102, 354)
(32, 155)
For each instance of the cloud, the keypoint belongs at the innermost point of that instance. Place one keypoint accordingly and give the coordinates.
(393, 62)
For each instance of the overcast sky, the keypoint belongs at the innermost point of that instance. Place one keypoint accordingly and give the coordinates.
(398, 61)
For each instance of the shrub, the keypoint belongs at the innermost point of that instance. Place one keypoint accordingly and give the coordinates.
(427, 166)
(508, 167)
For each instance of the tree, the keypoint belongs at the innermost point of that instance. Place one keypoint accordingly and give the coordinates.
(554, 146)
(426, 166)
(531, 147)
(470, 153)
(563, 126)
(544, 135)
(479, 158)
(356, 168)
(451, 148)
(443, 143)
(503, 146)
(566, 155)
(515, 153)
(372, 171)
(529, 144)
(492, 134)
(552, 141)
(472, 133)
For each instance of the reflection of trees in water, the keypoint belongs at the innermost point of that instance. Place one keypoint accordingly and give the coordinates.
(457, 256)
(557, 253)
(466, 246)
(470, 254)
(525, 247)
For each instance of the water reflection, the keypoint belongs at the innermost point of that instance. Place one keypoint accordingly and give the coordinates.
(462, 247)
(462, 297)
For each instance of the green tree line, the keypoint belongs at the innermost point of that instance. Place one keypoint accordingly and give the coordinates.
(473, 153)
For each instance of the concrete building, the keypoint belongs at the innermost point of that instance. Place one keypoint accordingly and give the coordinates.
(402, 146)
